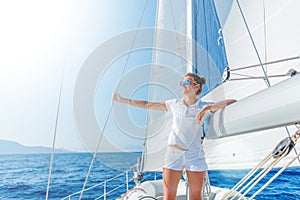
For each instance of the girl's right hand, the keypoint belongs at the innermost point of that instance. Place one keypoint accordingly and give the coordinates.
(116, 97)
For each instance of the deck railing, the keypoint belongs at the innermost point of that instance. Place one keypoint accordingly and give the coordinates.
(104, 183)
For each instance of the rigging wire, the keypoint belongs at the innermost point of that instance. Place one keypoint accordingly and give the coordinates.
(261, 64)
(110, 109)
(268, 84)
(255, 77)
(253, 43)
(55, 129)
(265, 34)
(141, 168)
(177, 38)
(266, 63)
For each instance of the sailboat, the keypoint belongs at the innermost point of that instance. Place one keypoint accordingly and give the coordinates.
(247, 50)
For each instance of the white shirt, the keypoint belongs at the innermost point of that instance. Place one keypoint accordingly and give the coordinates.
(185, 132)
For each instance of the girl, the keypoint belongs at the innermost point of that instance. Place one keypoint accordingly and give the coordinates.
(184, 143)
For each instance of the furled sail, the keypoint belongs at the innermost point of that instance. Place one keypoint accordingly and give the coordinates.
(211, 62)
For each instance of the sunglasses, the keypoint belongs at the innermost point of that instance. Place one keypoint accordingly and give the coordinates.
(187, 82)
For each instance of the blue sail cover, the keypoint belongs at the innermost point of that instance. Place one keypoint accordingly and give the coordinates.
(210, 60)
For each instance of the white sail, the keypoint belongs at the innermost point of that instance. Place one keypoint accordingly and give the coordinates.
(173, 55)
(274, 27)
(169, 65)
(254, 32)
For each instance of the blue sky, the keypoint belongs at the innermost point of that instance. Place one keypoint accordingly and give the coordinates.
(39, 40)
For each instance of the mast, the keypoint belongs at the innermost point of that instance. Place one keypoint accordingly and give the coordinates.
(190, 47)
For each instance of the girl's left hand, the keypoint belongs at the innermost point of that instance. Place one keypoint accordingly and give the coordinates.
(200, 115)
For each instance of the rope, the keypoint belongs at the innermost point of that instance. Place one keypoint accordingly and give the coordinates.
(265, 172)
(256, 51)
(55, 132)
(249, 186)
(275, 176)
(247, 176)
(110, 109)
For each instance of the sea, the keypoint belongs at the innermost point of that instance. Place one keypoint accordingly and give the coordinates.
(25, 176)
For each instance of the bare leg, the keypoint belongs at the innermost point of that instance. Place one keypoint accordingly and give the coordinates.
(195, 184)
(170, 179)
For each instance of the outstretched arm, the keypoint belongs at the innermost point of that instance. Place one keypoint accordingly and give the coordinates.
(213, 108)
(140, 103)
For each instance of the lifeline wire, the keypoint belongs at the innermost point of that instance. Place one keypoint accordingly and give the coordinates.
(110, 109)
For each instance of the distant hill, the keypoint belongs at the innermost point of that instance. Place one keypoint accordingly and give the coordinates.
(10, 147)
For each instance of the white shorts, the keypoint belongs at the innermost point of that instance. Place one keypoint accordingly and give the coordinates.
(177, 159)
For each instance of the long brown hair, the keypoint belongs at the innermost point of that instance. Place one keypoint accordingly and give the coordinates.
(198, 79)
